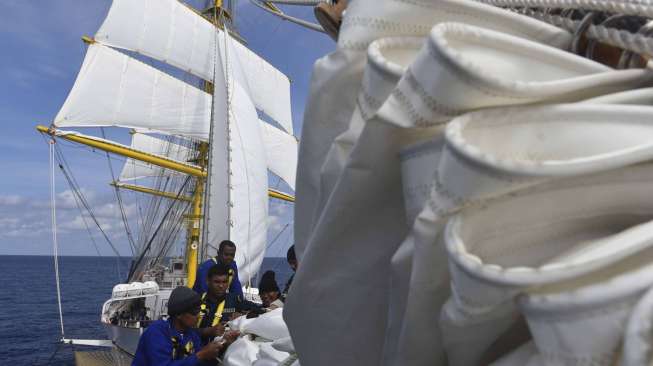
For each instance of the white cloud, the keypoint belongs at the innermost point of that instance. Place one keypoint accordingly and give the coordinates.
(11, 200)
(29, 217)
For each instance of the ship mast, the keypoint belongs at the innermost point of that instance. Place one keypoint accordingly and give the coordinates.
(217, 14)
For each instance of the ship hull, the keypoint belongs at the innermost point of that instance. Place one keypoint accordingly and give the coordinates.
(123, 338)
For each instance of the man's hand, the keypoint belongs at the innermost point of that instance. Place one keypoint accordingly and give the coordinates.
(217, 330)
(230, 336)
(210, 351)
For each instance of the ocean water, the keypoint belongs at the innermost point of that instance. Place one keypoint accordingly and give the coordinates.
(29, 317)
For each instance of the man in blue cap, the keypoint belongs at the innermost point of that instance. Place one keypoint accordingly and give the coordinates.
(226, 254)
(174, 342)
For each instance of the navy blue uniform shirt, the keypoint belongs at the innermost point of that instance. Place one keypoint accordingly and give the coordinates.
(232, 304)
(162, 345)
(201, 285)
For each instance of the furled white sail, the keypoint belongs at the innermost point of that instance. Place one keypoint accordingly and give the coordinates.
(113, 89)
(281, 151)
(249, 186)
(237, 148)
(134, 169)
(171, 32)
(217, 199)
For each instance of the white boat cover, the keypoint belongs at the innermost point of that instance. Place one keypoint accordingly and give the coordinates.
(134, 169)
(350, 226)
(174, 33)
(113, 89)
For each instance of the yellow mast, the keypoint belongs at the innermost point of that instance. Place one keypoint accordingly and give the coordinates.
(194, 229)
(195, 221)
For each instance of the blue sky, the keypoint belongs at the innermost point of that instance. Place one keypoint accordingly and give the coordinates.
(41, 54)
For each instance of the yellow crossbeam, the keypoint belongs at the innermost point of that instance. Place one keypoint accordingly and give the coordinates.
(151, 191)
(123, 150)
(280, 195)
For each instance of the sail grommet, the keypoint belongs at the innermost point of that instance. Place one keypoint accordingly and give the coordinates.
(193, 246)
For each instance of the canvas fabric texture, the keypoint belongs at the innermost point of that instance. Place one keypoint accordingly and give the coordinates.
(503, 140)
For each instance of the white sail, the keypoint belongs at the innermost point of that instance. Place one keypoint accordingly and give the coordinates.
(281, 151)
(217, 199)
(113, 89)
(171, 32)
(237, 162)
(134, 169)
(249, 186)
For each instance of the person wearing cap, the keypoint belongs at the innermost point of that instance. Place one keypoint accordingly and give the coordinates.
(329, 15)
(174, 342)
(293, 263)
(226, 255)
(218, 306)
(269, 291)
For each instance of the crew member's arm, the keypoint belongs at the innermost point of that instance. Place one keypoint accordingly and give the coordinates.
(246, 306)
(210, 332)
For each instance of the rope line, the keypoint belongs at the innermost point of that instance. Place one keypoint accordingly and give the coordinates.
(55, 244)
(77, 194)
(130, 238)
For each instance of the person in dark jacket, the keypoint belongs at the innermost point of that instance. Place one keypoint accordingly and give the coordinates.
(226, 254)
(174, 342)
(219, 306)
(293, 263)
(269, 291)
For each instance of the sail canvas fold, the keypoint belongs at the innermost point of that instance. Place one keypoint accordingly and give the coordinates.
(113, 89)
(173, 33)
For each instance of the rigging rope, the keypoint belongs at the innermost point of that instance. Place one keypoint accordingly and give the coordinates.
(55, 244)
(130, 238)
(77, 194)
(163, 220)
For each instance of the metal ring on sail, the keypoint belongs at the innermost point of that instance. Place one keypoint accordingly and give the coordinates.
(289, 18)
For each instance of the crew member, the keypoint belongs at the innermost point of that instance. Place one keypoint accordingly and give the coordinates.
(269, 291)
(329, 15)
(293, 263)
(174, 342)
(219, 306)
(226, 254)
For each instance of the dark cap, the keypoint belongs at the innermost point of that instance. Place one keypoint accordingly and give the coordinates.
(268, 282)
(183, 300)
